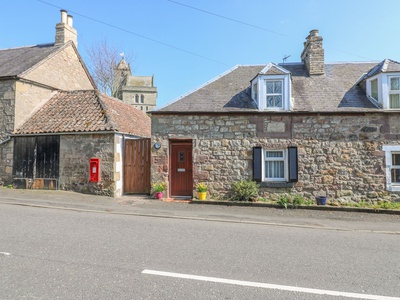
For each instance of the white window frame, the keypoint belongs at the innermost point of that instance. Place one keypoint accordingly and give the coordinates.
(392, 92)
(384, 90)
(389, 150)
(369, 89)
(266, 81)
(259, 95)
(260, 83)
(255, 91)
(284, 158)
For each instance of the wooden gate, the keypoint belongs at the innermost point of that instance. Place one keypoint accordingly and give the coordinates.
(137, 155)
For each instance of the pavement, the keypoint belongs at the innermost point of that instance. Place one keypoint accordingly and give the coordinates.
(315, 218)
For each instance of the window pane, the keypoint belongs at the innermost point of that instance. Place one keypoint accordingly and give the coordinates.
(395, 101)
(395, 84)
(274, 101)
(274, 169)
(270, 87)
(374, 89)
(395, 175)
(273, 153)
(270, 101)
(278, 101)
(278, 87)
(396, 159)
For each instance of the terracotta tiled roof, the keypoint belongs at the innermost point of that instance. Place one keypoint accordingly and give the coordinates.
(86, 111)
(335, 91)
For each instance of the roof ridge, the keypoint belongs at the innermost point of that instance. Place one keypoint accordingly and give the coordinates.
(28, 46)
(105, 110)
(46, 58)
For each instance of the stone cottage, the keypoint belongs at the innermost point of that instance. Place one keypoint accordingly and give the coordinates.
(53, 120)
(311, 127)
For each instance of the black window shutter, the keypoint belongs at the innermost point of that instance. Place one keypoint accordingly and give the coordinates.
(257, 163)
(293, 167)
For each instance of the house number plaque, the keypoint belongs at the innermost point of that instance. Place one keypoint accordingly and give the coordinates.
(181, 170)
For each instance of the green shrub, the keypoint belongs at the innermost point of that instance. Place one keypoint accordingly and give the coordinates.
(284, 200)
(244, 190)
(293, 200)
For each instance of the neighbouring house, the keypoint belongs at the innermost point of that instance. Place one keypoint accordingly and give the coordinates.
(58, 131)
(138, 91)
(314, 128)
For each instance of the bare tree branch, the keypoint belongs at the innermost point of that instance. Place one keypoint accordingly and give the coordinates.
(104, 58)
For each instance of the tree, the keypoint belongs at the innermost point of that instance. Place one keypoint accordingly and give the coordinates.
(104, 59)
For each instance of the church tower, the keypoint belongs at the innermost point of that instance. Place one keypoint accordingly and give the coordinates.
(121, 73)
(138, 91)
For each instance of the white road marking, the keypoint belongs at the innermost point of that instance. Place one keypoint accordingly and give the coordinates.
(269, 286)
(5, 253)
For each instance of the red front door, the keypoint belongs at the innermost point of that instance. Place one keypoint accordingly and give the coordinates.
(181, 169)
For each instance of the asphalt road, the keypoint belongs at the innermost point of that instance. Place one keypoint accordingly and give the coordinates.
(62, 254)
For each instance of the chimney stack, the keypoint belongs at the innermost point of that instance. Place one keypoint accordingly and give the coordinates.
(64, 30)
(313, 54)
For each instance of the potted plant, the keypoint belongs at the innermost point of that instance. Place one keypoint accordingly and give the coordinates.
(158, 188)
(201, 189)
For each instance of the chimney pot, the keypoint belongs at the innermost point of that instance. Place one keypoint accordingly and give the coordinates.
(314, 32)
(63, 16)
(70, 20)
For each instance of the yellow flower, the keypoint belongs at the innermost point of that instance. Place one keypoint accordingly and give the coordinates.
(158, 187)
(201, 187)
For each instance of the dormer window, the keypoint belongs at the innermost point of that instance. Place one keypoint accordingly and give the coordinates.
(384, 89)
(271, 88)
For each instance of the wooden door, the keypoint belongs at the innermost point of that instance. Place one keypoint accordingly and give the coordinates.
(137, 166)
(181, 169)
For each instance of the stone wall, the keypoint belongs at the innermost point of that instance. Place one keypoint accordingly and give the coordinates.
(7, 116)
(7, 107)
(63, 70)
(29, 98)
(340, 155)
(75, 154)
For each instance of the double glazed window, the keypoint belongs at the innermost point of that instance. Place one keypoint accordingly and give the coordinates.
(274, 93)
(394, 92)
(392, 158)
(275, 165)
(395, 168)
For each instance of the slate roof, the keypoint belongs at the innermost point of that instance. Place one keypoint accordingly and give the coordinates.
(385, 66)
(15, 61)
(336, 91)
(86, 111)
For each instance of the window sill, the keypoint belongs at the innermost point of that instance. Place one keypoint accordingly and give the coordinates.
(276, 184)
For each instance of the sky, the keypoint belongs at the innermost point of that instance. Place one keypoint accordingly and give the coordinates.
(186, 43)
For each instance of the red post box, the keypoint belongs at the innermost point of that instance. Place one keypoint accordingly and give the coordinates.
(94, 169)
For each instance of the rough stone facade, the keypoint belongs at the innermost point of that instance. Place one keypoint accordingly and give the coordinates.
(63, 70)
(7, 113)
(140, 92)
(19, 99)
(7, 107)
(75, 154)
(339, 156)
